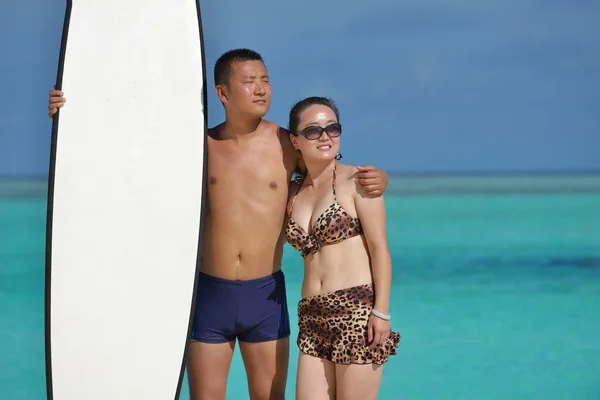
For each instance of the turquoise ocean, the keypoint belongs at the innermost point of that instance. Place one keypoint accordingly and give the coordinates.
(496, 289)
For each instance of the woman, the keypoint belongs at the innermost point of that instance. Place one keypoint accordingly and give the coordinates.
(344, 328)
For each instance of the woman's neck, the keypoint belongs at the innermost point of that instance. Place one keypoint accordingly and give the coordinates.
(320, 171)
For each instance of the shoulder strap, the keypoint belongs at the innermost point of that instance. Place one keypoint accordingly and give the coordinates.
(333, 183)
(299, 180)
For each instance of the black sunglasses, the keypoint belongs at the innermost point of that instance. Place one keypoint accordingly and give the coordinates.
(315, 132)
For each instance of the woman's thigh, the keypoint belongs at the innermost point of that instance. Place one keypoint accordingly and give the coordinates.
(358, 381)
(315, 378)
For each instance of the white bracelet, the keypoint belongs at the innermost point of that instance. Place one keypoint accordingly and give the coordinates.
(380, 315)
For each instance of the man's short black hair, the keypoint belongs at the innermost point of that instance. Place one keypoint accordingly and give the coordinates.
(223, 65)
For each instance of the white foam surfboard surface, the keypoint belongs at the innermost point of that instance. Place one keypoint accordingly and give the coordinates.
(125, 199)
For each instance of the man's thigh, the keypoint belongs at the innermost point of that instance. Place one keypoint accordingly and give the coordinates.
(207, 368)
(266, 367)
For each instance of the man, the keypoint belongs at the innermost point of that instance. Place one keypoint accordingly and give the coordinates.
(241, 289)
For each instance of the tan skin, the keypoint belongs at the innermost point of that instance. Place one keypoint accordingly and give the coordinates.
(355, 261)
(250, 165)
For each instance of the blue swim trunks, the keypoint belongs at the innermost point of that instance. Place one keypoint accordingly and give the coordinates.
(250, 311)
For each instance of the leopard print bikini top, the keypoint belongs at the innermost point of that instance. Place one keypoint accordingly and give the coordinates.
(333, 226)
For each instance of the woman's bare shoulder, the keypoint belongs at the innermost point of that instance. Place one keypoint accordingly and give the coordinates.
(346, 175)
(345, 171)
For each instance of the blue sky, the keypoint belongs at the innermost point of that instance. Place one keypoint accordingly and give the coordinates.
(423, 85)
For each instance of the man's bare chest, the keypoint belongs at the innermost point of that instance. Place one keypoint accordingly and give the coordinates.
(258, 174)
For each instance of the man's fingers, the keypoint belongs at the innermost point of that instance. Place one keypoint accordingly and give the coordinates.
(370, 189)
(57, 100)
(52, 111)
(54, 107)
(367, 174)
(368, 181)
(362, 168)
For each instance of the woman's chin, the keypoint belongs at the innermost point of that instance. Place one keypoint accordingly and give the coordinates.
(320, 157)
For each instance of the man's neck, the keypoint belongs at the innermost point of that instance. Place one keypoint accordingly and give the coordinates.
(238, 129)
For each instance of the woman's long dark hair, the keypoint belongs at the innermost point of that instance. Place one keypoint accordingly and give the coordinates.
(302, 105)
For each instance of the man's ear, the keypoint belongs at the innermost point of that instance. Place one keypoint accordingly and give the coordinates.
(221, 92)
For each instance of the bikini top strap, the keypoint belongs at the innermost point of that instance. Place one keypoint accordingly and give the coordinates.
(299, 180)
(333, 183)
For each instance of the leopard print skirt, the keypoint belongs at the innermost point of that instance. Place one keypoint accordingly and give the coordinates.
(333, 326)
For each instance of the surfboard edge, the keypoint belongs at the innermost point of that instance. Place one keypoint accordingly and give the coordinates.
(203, 206)
(49, 207)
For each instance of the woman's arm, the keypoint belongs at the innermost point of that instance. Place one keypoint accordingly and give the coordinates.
(371, 212)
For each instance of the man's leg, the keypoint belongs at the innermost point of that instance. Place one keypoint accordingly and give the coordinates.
(264, 340)
(213, 338)
(207, 368)
(266, 367)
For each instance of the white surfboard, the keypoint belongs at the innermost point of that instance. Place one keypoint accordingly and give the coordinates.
(125, 199)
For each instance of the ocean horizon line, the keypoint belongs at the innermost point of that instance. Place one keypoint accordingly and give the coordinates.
(407, 184)
(402, 173)
(499, 173)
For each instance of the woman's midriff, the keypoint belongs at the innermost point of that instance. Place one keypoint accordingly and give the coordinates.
(337, 266)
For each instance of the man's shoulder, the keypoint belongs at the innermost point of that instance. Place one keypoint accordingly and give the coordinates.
(273, 127)
(290, 153)
(283, 132)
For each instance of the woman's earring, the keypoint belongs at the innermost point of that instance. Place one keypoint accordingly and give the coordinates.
(338, 156)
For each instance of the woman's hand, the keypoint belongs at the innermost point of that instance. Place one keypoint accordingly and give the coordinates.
(378, 330)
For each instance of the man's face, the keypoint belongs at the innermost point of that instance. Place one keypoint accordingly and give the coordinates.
(249, 91)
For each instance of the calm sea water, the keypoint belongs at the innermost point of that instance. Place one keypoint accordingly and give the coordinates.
(496, 289)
